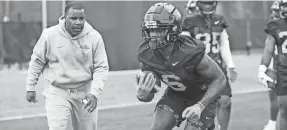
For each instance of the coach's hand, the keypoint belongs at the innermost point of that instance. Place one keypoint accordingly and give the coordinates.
(31, 96)
(233, 74)
(91, 103)
(193, 113)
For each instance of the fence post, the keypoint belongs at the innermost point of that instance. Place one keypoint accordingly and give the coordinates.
(2, 51)
(44, 14)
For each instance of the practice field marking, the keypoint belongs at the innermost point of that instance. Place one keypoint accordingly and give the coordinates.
(119, 106)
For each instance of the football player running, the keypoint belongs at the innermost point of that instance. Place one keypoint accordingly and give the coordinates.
(210, 28)
(275, 15)
(194, 80)
(277, 36)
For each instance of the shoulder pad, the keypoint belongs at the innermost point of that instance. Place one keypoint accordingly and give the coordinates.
(189, 22)
(221, 19)
(193, 49)
(141, 49)
(272, 27)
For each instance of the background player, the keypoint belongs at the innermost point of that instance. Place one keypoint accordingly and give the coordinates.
(276, 36)
(191, 7)
(182, 64)
(211, 29)
(275, 15)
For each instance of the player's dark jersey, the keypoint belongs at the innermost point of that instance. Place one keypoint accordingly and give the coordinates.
(278, 29)
(179, 71)
(275, 57)
(207, 31)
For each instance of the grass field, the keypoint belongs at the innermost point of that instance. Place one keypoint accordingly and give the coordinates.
(249, 111)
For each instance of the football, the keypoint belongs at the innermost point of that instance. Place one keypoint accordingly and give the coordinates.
(273, 75)
(144, 75)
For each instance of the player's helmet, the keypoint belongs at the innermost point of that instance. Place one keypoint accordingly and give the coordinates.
(275, 10)
(162, 16)
(191, 6)
(207, 7)
(283, 8)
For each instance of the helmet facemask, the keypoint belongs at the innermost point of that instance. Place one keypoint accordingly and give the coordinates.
(159, 35)
(283, 9)
(161, 25)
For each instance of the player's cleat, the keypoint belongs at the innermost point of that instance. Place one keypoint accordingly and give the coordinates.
(273, 75)
(269, 127)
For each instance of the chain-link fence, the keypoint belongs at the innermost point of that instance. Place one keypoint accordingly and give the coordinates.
(119, 22)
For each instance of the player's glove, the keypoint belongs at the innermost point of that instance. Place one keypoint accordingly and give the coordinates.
(146, 83)
(262, 77)
(232, 74)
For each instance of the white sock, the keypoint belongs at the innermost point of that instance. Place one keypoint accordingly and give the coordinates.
(273, 123)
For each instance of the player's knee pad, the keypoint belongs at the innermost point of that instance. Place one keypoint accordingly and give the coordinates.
(164, 119)
(225, 101)
(175, 115)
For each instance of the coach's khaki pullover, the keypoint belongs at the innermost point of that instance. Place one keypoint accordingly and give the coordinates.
(69, 62)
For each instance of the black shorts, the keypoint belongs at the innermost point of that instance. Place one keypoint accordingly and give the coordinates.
(281, 85)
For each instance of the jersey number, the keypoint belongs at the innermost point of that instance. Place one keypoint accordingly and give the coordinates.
(212, 45)
(173, 82)
(284, 45)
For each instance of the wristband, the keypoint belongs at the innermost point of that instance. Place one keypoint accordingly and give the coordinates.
(202, 106)
(262, 68)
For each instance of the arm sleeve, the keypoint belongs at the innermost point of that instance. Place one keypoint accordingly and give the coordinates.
(100, 68)
(37, 62)
(225, 49)
(187, 27)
